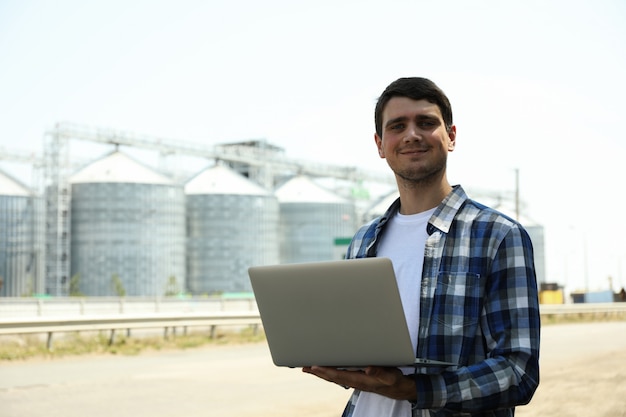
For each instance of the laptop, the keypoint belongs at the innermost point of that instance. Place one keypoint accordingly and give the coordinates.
(344, 314)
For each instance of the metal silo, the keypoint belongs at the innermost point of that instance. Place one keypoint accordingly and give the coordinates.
(127, 230)
(20, 255)
(315, 224)
(232, 224)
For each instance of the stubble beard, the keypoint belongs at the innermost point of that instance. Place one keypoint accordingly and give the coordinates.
(420, 177)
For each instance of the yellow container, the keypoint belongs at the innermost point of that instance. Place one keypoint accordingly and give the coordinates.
(551, 297)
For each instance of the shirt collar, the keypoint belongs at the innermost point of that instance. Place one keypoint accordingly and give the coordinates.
(442, 217)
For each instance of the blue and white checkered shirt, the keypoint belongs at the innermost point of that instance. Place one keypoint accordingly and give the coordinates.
(479, 309)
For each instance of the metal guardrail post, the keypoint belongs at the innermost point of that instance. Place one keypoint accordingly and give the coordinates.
(49, 342)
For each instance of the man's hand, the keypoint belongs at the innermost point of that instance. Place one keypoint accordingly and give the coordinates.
(389, 382)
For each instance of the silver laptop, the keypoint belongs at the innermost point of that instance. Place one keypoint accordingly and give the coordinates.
(338, 313)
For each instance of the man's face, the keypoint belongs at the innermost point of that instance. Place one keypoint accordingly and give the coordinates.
(414, 139)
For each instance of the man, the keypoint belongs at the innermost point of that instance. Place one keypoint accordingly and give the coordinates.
(465, 272)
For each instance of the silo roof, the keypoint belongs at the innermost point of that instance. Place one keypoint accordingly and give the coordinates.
(12, 187)
(119, 168)
(220, 179)
(302, 189)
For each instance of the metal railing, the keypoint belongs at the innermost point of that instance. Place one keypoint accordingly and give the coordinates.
(126, 322)
(112, 323)
(584, 309)
(96, 306)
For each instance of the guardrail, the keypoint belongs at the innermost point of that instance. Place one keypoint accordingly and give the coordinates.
(112, 323)
(95, 306)
(597, 310)
(126, 322)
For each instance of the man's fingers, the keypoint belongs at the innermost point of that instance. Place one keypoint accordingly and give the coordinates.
(386, 376)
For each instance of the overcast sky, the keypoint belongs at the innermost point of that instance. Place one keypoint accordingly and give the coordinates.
(535, 85)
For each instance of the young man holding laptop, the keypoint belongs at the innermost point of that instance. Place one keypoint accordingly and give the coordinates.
(465, 274)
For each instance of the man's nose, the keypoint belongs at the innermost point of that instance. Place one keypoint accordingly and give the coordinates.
(413, 133)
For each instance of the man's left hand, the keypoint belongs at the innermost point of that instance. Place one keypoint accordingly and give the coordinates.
(389, 382)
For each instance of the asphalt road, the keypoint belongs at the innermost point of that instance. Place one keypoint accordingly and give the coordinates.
(583, 373)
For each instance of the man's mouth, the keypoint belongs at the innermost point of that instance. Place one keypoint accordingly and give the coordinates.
(412, 151)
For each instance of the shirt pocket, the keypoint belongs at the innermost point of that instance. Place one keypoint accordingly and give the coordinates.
(457, 301)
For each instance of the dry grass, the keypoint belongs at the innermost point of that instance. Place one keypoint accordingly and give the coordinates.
(72, 344)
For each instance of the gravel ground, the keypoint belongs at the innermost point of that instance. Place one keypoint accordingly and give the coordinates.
(583, 373)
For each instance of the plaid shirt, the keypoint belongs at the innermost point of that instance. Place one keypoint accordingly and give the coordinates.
(479, 309)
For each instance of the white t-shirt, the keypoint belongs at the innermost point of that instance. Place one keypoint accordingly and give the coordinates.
(403, 242)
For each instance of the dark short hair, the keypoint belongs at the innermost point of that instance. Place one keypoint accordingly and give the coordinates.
(415, 88)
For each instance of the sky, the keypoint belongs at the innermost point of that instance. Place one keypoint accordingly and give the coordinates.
(537, 87)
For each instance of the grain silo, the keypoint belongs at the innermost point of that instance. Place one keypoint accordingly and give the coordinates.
(315, 224)
(232, 224)
(20, 253)
(127, 230)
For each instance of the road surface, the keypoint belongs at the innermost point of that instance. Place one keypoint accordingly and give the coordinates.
(583, 373)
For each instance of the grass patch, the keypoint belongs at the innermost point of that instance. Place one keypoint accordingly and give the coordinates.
(73, 344)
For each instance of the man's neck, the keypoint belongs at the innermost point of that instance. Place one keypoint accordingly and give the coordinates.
(418, 198)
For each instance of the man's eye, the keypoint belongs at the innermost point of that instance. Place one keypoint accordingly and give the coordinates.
(398, 126)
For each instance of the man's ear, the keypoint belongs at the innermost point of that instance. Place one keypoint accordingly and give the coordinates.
(379, 145)
(452, 136)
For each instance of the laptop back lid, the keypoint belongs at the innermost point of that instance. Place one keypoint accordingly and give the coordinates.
(339, 313)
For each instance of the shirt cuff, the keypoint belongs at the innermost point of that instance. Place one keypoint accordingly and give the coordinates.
(431, 392)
